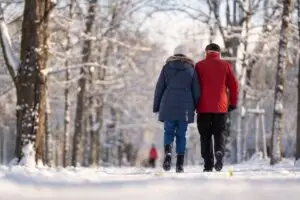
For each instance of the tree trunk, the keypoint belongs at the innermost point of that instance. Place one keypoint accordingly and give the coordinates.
(87, 141)
(86, 52)
(48, 138)
(279, 87)
(263, 133)
(104, 54)
(93, 124)
(99, 111)
(246, 130)
(257, 142)
(66, 138)
(30, 82)
(298, 117)
(241, 123)
(94, 134)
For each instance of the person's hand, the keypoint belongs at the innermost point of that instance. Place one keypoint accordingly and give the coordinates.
(231, 108)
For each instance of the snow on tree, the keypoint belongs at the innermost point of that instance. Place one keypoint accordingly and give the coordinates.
(126, 56)
(86, 54)
(67, 104)
(9, 54)
(30, 84)
(28, 159)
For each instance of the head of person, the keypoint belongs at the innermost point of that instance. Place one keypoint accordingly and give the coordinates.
(182, 53)
(181, 50)
(212, 48)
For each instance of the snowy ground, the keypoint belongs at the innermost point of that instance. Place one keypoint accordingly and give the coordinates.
(249, 181)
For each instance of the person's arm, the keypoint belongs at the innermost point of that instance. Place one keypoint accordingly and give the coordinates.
(159, 91)
(196, 88)
(233, 86)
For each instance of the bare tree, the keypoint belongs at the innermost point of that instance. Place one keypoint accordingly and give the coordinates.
(86, 53)
(30, 82)
(276, 149)
(48, 137)
(66, 137)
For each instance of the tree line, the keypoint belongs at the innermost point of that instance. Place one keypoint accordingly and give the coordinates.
(93, 63)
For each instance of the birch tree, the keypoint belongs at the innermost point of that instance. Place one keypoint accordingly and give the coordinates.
(276, 148)
(26, 72)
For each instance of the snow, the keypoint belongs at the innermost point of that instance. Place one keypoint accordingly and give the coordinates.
(255, 179)
(279, 107)
(96, 126)
(28, 160)
(12, 59)
(243, 111)
(297, 163)
(286, 19)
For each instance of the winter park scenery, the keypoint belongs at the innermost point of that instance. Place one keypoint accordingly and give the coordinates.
(78, 81)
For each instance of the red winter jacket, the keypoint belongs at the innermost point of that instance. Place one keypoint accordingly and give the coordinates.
(215, 77)
(153, 153)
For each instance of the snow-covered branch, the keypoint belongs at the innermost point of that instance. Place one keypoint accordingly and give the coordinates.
(60, 69)
(10, 58)
(128, 46)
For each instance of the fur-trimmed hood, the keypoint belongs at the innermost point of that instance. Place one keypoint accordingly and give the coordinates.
(180, 57)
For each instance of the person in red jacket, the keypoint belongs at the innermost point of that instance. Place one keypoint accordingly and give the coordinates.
(152, 156)
(219, 95)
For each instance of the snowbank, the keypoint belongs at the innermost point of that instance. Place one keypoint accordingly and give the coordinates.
(245, 181)
(297, 163)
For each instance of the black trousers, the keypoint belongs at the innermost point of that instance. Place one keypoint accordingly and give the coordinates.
(152, 163)
(211, 126)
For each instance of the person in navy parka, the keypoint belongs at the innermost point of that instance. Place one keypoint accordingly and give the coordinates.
(176, 97)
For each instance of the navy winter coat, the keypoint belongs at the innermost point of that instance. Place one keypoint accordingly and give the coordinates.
(177, 90)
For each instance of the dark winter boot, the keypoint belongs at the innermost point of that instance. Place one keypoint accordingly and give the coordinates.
(208, 166)
(168, 158)
(219, 162)
(179, 164)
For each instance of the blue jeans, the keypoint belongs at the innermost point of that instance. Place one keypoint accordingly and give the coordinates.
(176, 129)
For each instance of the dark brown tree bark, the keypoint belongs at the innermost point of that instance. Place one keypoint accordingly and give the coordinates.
(32, 83)
(29, 79)
(86, 54)
(276, 149)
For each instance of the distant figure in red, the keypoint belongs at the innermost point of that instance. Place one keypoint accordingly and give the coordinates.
(152, 156)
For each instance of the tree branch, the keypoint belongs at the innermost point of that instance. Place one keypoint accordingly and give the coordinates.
(11, 60)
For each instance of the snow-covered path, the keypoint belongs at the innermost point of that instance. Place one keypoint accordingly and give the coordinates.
(253, 181)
